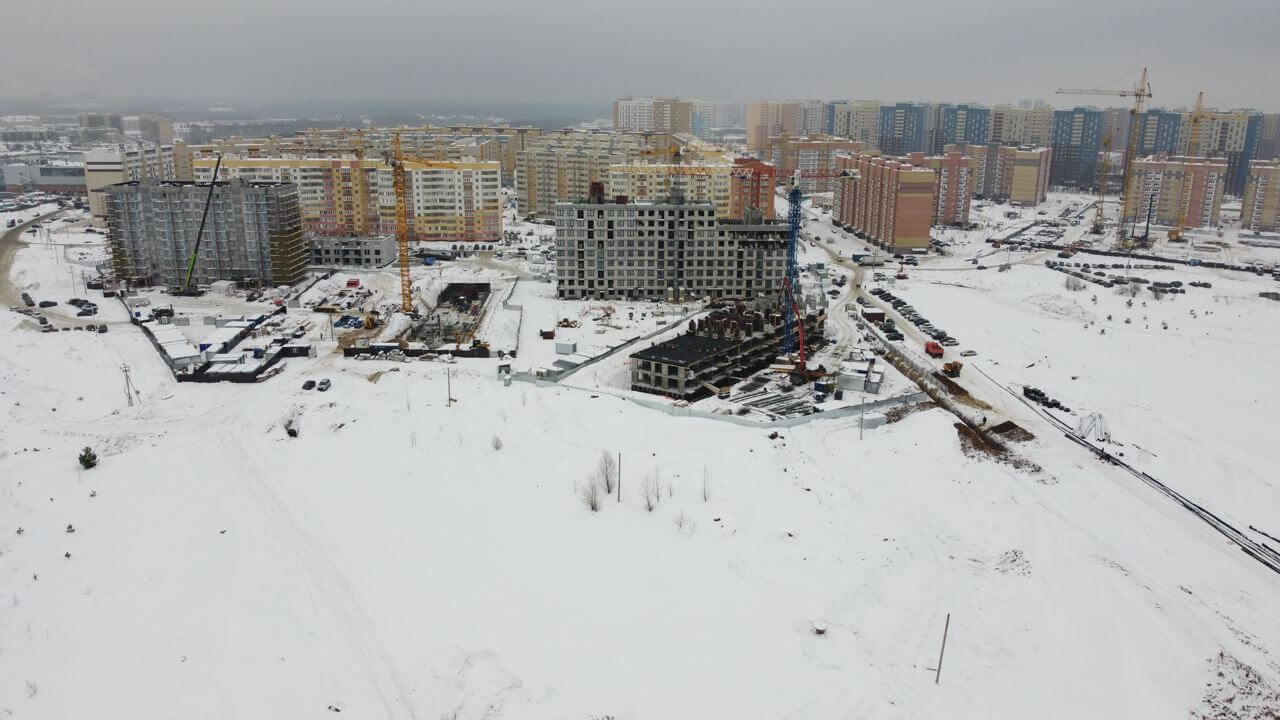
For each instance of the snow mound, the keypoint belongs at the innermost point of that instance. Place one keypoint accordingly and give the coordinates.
(1055, 305)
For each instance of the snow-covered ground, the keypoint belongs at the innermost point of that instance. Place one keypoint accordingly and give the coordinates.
(410, 557)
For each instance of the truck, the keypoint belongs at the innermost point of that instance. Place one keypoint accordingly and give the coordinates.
(933, 349)
(952, 369)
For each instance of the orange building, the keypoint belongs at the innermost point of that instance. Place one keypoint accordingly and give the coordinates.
(957, 174)
(751, 187)
(886, 201)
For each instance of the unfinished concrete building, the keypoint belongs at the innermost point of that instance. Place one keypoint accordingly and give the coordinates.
(718, 351)
(664, 251)
(253, 233)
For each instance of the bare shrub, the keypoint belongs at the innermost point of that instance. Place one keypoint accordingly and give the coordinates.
(651, 491)
(1073, 283)
(592, 493)
(607, 471)
(497, 442)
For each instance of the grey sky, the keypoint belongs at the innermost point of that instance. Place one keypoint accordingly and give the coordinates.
(579, 51)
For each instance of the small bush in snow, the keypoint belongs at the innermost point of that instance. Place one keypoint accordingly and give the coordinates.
(1073, 283)
(497, 443)
(607, 471)
(592, 494)
(88, 458)
(651, 491)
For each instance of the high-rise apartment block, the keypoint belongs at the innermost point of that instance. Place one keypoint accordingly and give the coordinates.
(903, 128)
(752, 190)
(664, 115)
(813, 156)
(1029, 125)
(1158, 132)
(956, 176)
(561, 166)
(858, 120)
(728, 115)
(1260, 208)
(1233, 136)
(1269, 138)
(963, 125)
(448, 201)
(886, 201)
(1077, 140)
(1174, 188)
(1019, 175)
(123, 164)
(252, 235)
(664, 251)
(659, 182)
(156, 129)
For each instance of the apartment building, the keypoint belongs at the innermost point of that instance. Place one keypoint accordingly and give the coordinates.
(156, 129)
(728, 115)
(664, 251)
(109, 166)
(965, 124)
(659, 182)
(1077, 140)
(1115, 125)
(858, 120)
(1158, 132)
(1269, 139)
(560, 167)
(814, 156)
(766, 119)
(448, 201)
(903, 128)
(956, 176)
(1032, 126)
(751, 190)
(664, 115)
(885, 201)
(1169, 188)
(1233, 136)
(252, 235)
(374, 251)
(1005, 173)
(1260, 208)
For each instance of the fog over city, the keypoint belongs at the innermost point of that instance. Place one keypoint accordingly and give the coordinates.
(574, 52)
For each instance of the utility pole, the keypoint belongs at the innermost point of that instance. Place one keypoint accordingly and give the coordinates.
(128, 385)
(619, 477)
(938, 671)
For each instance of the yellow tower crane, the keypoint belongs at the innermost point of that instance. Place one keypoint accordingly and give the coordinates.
(1193, 148)
(402, 222)
(1103, 168)
(1140, 92)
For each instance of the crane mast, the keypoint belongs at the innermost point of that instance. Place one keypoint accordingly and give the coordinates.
(1193, 148)
(402, 223)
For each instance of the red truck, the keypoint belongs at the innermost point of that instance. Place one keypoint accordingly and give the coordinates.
(933, 349)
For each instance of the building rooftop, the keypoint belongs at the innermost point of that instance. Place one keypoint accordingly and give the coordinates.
(686, 349)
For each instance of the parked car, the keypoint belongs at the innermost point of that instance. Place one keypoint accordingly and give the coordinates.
(968, 353)
(102, 328)
(949, 342)
(309, 385)
(86, 312)
(48, 303)
(323, 385)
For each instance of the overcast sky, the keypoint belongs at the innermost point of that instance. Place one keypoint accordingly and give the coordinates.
(583, 51)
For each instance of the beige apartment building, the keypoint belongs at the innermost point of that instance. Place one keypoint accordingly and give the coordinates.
(885, 201)
(1171, 188)
(1006, 173)
(560, 166)
(122, 164)
(814, 157)
(644, 182)
(1260, 208)
(858, 120)
(1022, 126)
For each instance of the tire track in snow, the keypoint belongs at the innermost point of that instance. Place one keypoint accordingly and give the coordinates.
(327, 582)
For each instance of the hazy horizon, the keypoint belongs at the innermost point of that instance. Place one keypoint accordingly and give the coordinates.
(560, 52)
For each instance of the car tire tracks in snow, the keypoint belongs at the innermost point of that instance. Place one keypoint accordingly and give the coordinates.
(327, 584)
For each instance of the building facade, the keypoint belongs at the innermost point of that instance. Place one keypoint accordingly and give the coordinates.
(963, 125)
(664, 115)
(814, 157)
(1233, 136)
(1005, 173)
(53, 178)
(664, 251)
(156, 129)
(1158, 132)
(1077, 140)
(903, 128)
(659, 182)
(1178, 189)
(858, 120)
(1260, 208)
(561, 166)
(751, 190)
(373, 251)
(956, 176)
(885, 201)
(1032, 126)
(110, 166)
(252, 235)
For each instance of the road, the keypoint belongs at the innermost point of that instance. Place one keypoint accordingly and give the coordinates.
(10, 242)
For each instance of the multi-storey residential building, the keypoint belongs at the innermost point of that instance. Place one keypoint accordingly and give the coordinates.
(341, 195)
(1031, 126)
(886, 201)
(1077, 139)
(813, 156)
(1017, 174)
(665, 115)
(660, 251)
(1158, 132)
(858, 120)
(1231, 135)
(1269, 137)
(903, 128)
(751, 190)
(252, 235)
(963, 125)
(1115, 125)
(728, 115)
(374, 251)
(156, 129)
(102, 120)
(560, 167)
(766, 119)
(956, 175)
(1170, 189)
(659, 182)
(110, 166)
(1260, 208)
(811, 117)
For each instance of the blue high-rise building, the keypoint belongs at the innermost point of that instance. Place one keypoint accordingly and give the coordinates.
(902, 129)
(964, 124)
(1076, 141)
(1158, 132)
